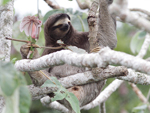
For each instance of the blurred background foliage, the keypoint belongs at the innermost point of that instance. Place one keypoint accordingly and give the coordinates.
(130, 40)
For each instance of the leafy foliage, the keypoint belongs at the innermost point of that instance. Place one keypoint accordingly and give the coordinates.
(137, 41)
(4, 2)
(63, 93)
(140, 109)
(14, 90)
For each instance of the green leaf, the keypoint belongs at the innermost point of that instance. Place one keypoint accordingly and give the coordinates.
(137, 42)
(51, 83)
(5, 2)
(140, 109)
(142, 34)
(133, 42)
(25, 99)
(8, 78)
(14, 60)
(12, 85)
(72, 99)
(12, 103)
(60, 94)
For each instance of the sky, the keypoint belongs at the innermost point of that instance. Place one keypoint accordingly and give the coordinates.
(24, 7)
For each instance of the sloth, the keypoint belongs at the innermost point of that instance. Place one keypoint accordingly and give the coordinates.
(59, 27)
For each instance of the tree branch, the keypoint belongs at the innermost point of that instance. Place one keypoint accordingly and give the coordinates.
(120, 9)
(141, 10)
(6, 23)
(104, 95)
(102, 59)
(136, 77)
(38, 92)
(52, 5)
(92, 76)
(46, 101)
(85, 5)
(93, 27)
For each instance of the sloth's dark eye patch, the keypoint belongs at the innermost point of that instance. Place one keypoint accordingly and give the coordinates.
(64, 27)
(55, 27)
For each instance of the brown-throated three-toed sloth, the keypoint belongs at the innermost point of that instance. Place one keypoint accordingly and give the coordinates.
(58, 27)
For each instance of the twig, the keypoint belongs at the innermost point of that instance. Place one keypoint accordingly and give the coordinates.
(17, 40)
(36, 46)
(139, 94)
(47, 76)
(102, 107)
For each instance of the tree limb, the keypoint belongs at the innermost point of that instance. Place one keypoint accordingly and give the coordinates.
(104, 95)
(46, 101)
(141, 10)
(85, 5)
(102, 59)
(6, 23)
(52, 5)
(120, 9)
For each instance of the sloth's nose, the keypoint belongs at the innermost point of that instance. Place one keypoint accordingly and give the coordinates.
(64, 27)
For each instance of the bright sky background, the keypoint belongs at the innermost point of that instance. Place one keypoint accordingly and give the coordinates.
(24, 7)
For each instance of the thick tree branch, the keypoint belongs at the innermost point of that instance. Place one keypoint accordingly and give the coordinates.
(102, 59)
(79, 79)
(92, 76)
(93, 27)
(6, 23)
(136, 77)
(38, 92)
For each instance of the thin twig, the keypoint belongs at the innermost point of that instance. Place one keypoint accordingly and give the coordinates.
(102, 107)
(37, 46)
(47, 76)
(17, 40)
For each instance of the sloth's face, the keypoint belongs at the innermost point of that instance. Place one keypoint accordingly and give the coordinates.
(61, 28)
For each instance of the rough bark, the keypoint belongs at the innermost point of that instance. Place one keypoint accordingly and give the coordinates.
(6, 23)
